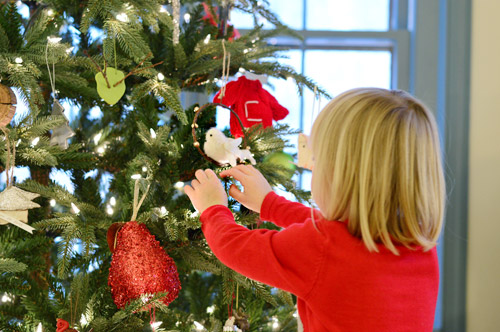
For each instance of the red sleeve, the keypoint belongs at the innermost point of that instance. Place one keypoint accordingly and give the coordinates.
(229, 95)
(283, 212)
(279, 112)
(289, 259)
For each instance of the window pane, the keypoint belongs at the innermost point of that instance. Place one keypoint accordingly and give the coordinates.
(290, 12)
(339, 70)
(348, 15)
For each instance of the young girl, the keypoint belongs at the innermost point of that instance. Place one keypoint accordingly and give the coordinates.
(366, 261)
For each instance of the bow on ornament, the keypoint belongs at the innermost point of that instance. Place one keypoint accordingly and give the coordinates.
(63, 326)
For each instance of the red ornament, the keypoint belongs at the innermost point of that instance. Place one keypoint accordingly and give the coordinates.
(252, 103)
(63, 326)
(211, 19)
(140, 266)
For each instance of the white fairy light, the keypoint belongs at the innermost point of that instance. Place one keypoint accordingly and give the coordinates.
(276, 323)
(155, 325)
(101, 150)
(50, 12)
(109, 210)
(207, 38)
(39, 328)
(53, 202)
(54, 40)
(160, 76)
(198, 326)
(112, 201)
(182, 146)
(179, 185)
(163, 211)
(152, 132)
(97, 137)
(122, 17)
(136, 176)
(76, 210)
(187, 17)
(35, 141)
(83, 320)
(241, 70)
(6, 298)
(18, 142)
(144, 169)
(18, 60)
(211, 309)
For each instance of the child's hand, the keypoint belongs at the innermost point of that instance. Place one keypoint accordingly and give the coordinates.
(206, 190)
(254, 184)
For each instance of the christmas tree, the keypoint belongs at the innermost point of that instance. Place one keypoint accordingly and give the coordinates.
(131, 62)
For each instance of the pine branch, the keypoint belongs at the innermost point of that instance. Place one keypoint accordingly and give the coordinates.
(9, 265)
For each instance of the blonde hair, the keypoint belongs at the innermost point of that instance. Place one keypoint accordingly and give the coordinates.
(378, 166)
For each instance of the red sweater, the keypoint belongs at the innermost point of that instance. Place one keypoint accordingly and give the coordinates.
(340, 285)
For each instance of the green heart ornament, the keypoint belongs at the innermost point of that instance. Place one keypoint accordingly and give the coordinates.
(112, 94)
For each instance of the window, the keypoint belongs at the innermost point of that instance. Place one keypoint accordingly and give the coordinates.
(346, 44)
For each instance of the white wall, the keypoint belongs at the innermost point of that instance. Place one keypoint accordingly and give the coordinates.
(483, 271)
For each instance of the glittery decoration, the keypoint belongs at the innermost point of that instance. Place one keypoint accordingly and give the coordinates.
(141, 266)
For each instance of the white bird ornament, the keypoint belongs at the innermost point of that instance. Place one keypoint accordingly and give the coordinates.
(225, 150)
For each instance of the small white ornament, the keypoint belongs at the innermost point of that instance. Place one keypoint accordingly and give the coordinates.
(305, 159)
(230, 327)
(14, 206)
(225, 150)
(61, 134)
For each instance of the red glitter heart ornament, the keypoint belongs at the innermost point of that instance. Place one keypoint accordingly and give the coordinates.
(141, 266)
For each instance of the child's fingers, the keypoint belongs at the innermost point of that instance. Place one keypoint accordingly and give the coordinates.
(244, 169)
(188, 190)
(236, 193)
(210, 174)
(200, 175)
(236, 173)
(195, 184)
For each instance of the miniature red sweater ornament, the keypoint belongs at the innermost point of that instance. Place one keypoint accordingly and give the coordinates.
(252, 103)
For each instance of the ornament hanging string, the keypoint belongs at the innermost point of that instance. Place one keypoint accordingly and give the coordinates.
(226, 64)
(176, 13)
(11, 158)
(52, 75)
(315, 109)
(152, 317)
(137, 202)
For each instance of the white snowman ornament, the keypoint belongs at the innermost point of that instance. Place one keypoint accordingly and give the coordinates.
(225, 150)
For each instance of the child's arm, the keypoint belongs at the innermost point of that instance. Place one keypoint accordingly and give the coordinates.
(283, 212)
(290, 259)
(258, 196)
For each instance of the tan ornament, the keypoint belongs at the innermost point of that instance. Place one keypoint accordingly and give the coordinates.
(14, 206)
(8, 101)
